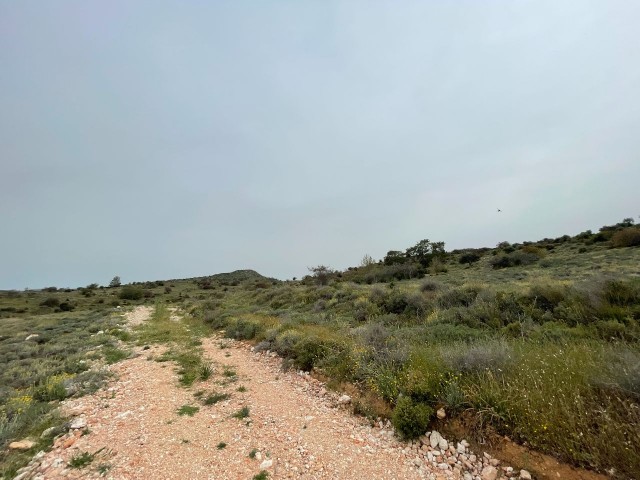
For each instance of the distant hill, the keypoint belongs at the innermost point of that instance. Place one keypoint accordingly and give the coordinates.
(231, 279)
(238, 276)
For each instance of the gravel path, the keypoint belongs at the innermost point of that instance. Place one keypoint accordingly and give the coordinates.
(295, 427)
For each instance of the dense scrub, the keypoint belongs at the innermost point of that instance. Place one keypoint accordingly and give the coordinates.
(535, 355)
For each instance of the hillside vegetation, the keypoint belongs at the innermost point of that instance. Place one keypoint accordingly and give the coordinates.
(537, 341)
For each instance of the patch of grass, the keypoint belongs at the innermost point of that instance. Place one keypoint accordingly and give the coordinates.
(214, 398)
(242, 413)
(206, 370)
(263, 475)
(252, 453)
(81, 460)
(241, 389)
(229, 372)
(221, 445)
(113, 354)
(185, 345)
(188, 410)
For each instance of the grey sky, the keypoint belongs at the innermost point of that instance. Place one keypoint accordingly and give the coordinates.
(175, 139)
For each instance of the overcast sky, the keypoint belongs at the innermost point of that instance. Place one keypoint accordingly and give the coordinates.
(158, 139)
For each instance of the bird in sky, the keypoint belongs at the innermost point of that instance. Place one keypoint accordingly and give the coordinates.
(499, 210)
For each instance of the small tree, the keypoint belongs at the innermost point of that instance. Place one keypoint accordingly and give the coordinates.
(425, 251)
(394, 257)
(321, 273)
(367, 260)
(115, 282)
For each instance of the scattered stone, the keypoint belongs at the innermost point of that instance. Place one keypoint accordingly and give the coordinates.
(69, 442)
(489, 473)
(460, 448)
(443, 444)
(22, 445)
(344, 399)
(78, 423)
(441, 413)
(57, 463)
(31, 337)
(434, 439)
(266, 464)
(524, 475)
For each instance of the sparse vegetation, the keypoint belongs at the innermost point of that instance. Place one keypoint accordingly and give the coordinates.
(496, 335)
(82, 459)
(214, 398)
(188, 410)
(242, 413)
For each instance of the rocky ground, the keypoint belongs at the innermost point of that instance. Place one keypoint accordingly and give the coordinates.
(293, 428)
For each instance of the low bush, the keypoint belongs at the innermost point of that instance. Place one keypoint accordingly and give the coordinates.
(131, 292)
(459, 297)
(517, 258)
(468, 258)
(243, 329)
(51, 302)
(627, 237)
(411, 418)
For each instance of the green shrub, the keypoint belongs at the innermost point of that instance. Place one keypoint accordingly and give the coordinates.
(547, 296)
(51, 389)
(516, 258)
(429, 286)
(468, 258)
(66, 307)
(51, 302)
(627, 237)
(285, 343)
(131, 292)
(621, 293)
(311, 350)
(425, 375)
(410, 418)
(242, 329)
(458, 297)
